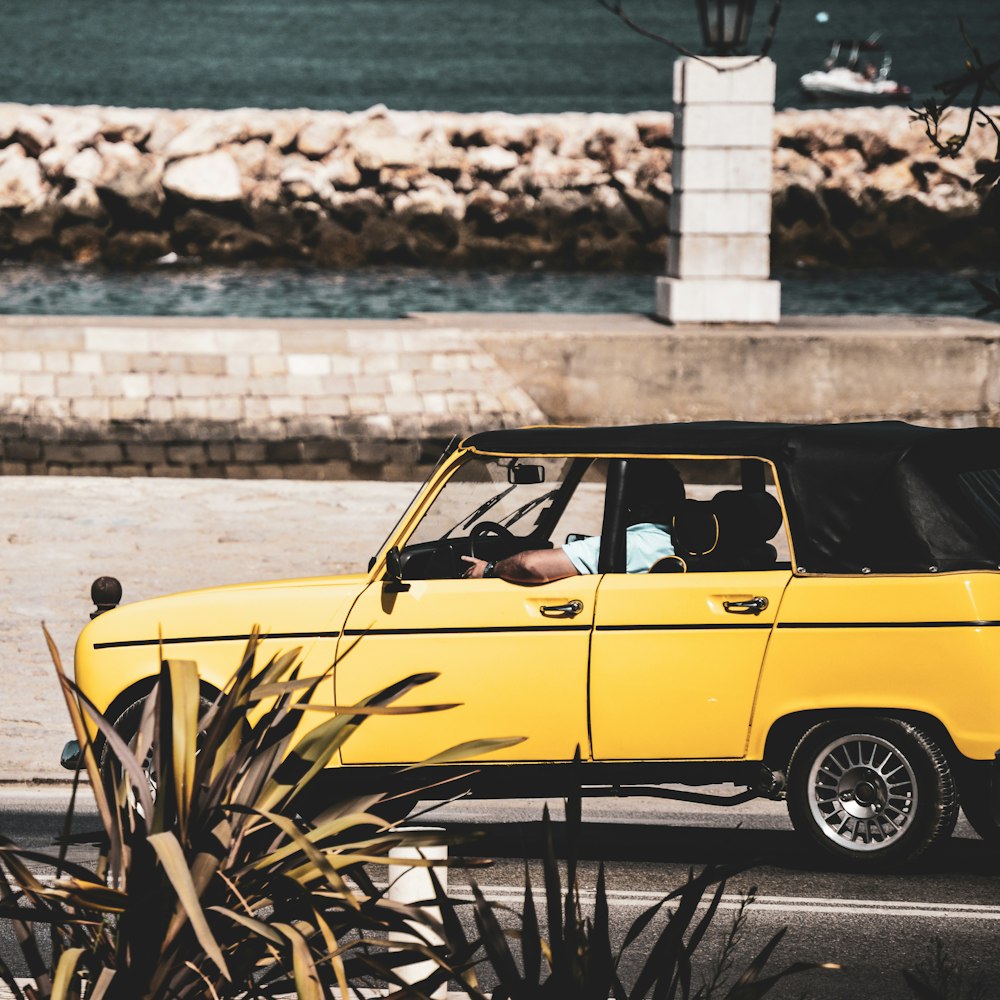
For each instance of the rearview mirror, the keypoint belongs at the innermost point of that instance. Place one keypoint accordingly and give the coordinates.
(526, 475)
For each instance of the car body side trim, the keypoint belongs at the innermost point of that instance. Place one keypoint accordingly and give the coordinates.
(465, 630)
(213, 638)
(966, 624)
(684, 626)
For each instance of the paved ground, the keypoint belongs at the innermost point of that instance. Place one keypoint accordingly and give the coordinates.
(157, 536)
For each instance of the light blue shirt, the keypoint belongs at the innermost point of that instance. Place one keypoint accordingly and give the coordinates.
(645, 544)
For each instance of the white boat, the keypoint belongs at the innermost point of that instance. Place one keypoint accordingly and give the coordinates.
(847, 76)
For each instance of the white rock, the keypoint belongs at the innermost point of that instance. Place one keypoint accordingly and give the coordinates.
(287, 127)
(321, 135)
(492, 159)
(430, 201)
(342, 171)
(211, 177)
(21, 182)
(307, 181)
(131, 175)
(250, 157)
(36, 131)
(85, 166)
(204, 135)
(54, 159)
(373, 152)
(547, 170)
(134, 125)
(75, 128)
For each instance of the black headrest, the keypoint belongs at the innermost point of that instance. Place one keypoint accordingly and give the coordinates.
(754, 517)
(695, 528)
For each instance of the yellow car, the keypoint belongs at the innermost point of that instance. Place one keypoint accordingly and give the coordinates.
(809, 612)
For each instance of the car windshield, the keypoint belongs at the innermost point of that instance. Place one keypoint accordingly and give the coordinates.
(480, 490)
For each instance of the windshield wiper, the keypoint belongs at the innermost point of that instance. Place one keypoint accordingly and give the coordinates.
(479, 511)
(516, 515)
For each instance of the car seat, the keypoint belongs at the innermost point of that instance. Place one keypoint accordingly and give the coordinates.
(729, 532)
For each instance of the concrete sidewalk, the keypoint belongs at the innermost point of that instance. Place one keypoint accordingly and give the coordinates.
(158, 536)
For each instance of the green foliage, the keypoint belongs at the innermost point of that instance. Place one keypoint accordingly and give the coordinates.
(215, 886)
(977, 83)
(574, 955)
(939, 978)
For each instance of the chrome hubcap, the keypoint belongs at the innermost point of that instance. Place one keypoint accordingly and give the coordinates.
(863, 792)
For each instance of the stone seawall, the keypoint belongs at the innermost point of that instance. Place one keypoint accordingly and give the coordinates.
(858, 187)
(316, 399)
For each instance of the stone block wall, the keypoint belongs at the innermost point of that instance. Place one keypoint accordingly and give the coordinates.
(338, 399)
(238, 398)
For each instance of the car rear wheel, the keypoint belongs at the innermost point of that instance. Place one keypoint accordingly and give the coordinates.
(874, 793)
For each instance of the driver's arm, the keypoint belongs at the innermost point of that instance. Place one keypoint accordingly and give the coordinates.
(533, 566)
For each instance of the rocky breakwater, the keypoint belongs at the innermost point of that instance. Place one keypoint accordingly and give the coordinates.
(130, 186)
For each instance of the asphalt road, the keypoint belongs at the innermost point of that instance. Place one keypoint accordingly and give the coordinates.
(872, 925)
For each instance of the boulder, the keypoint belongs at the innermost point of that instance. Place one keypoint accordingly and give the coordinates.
(212, 177)
(136, 125)
(132, 247)
(53, 160)
(201, 234)
(341, 170)
(84, 166)
(548, 170)
(491, 160)
(22, 185)
(83, 201)
(34, 132)
(74, 127)
(321, 135)
(83, 244)
(307, 181)
(131, 179)
(376, 152)
(205, 134)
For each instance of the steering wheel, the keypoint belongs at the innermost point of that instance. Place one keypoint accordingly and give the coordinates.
(486, 529)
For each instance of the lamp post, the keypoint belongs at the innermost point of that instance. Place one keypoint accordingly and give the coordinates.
(725, 25)
(718, 250)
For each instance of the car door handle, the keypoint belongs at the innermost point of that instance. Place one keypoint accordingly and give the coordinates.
(753, 606)
(568, 610)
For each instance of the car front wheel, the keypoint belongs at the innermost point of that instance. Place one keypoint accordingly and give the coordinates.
(873, 793)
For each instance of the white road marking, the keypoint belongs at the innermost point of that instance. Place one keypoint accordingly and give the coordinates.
(776, 904)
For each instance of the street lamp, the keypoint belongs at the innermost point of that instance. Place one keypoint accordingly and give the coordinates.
(725, 24)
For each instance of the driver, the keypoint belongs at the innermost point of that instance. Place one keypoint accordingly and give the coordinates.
(653, 491)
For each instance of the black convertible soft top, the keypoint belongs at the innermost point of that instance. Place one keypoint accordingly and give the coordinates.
(881, 497)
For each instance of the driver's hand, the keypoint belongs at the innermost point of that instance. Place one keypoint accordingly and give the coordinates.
(475, 571)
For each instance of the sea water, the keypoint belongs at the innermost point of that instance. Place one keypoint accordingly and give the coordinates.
(465, 55)
(381, 293)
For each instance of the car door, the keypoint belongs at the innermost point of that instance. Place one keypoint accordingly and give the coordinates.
(512, 658)
(675, 661)
(676, 656)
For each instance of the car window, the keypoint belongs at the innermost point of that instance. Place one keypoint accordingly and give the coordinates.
(715, 483)
(481, 490)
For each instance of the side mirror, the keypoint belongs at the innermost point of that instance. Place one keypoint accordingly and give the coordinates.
(526, 475)
(394, 572)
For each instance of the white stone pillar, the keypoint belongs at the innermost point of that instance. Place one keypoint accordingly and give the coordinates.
(409, 883)
(719, 249)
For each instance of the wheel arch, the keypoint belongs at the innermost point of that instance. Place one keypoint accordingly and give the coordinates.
(786, 731)
(142, 689)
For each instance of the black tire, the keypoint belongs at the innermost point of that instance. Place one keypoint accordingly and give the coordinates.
(975, 788)
(873, 793)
